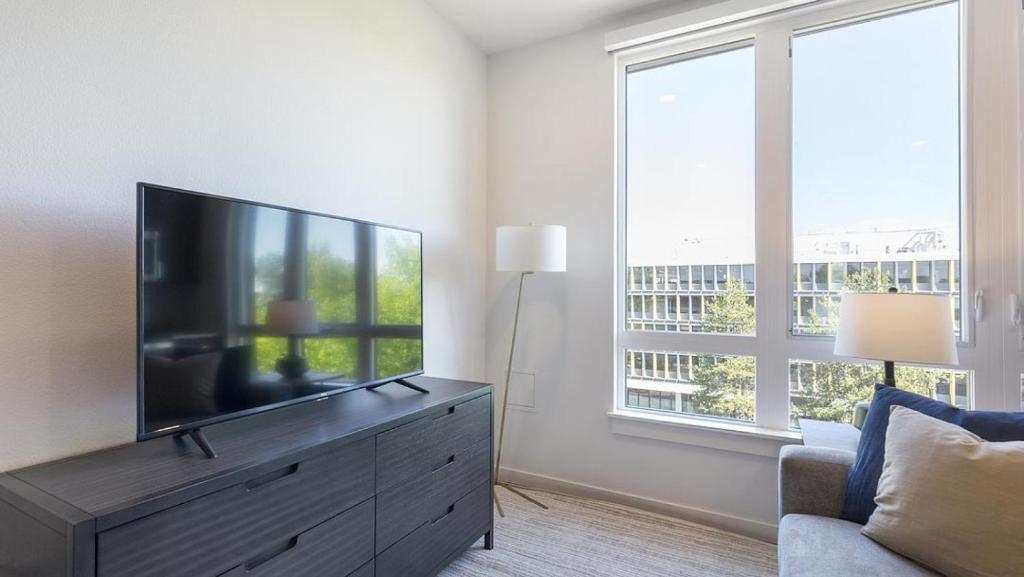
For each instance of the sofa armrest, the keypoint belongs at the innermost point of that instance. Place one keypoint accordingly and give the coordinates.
(812, 480)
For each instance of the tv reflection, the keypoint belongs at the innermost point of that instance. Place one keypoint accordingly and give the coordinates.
(246, 306)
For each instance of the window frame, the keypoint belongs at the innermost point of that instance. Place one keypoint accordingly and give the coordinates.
(773, 345)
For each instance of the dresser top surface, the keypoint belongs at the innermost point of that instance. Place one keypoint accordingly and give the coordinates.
(111, 479)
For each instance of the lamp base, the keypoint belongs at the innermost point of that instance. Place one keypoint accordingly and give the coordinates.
(292, 366)
(514, 491)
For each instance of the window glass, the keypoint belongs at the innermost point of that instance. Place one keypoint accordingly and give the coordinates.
(876, 154)
(821, 277)
(924, 276)
(709, 277)
(838, 276)
(942, 276)
(720, 386)
(748, 277)
(690, 131)
(829, 391)
(805, 276)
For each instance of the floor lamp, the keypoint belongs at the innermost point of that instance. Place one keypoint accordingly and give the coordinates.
(526, 250)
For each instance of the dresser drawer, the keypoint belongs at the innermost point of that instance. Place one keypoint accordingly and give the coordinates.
(421, 553)
(214, 533)
(408, 452)
(402, 508)
(336, 548)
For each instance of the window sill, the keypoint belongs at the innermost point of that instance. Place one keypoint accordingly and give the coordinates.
(734, 437)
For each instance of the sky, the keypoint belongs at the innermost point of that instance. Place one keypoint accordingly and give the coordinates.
(875, 139)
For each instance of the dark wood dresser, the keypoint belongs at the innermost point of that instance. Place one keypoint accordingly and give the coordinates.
(389, 482)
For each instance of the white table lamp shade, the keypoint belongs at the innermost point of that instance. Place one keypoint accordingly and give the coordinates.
(292, 318)
(913, 328)
(531, 248)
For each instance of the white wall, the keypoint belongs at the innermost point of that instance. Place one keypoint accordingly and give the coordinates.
(551, 160)
(371, 109)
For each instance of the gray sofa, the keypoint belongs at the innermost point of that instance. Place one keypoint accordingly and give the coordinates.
(813, 540)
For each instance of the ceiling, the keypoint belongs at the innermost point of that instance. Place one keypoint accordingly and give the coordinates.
(496, 25)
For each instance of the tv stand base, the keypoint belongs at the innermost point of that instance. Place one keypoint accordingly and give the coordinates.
(199, 439)
(402, 382)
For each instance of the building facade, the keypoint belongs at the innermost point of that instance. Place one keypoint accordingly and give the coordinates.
(676, 298)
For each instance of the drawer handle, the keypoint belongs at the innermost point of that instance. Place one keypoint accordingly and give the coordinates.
(253, 564)
(271, 477)
(448, 511)
(448, 461)
(450, 411)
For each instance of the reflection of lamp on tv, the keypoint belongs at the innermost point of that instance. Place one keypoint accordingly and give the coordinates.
(292, 319)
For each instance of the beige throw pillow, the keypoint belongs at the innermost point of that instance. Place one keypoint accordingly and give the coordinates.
(950, 500)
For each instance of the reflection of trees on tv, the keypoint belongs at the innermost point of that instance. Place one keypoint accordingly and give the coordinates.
(256, 306)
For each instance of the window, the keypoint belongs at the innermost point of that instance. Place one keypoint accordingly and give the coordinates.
(690, 207)
(838, 277)
(698, 278)
(691, 132)
(892, 182)
(870, 139)
(942, 276)
(805, 273)
(721, 276)
(821, 277)
(888, 274)
(924, 276)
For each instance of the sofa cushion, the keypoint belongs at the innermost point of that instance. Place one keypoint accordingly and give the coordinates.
(949, 499)
(813, 546)
(862, 483)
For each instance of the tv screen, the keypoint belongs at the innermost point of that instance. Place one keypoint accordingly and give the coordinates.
(245, 307)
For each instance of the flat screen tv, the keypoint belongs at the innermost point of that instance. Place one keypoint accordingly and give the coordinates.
(246, 307)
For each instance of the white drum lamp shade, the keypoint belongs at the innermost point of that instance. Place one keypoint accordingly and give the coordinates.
(530, 248)
(913, 328)
(289, 318)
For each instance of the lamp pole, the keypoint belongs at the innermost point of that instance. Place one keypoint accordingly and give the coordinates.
(504, 408)
(890, 366)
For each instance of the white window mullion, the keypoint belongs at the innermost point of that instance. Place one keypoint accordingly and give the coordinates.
(772, 202)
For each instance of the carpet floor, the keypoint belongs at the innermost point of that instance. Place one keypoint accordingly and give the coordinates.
(586, 537)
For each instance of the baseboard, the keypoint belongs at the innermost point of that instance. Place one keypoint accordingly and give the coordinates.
(748, 527)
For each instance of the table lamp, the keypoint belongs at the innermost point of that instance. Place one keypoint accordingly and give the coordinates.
(526, 250)
(889, 327)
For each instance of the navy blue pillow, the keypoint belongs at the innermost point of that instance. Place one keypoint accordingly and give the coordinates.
(862, 484)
